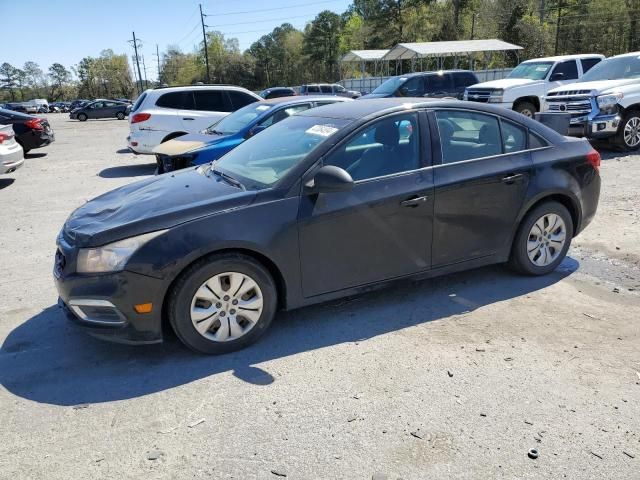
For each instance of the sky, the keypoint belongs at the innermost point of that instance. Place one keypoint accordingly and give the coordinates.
(72, 29)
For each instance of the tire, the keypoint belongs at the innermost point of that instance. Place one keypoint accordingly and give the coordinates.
(628, 136)
(82, 117)
(120, 116)
(200, 290)
(160, 167)
(523, 242)
(527, 109)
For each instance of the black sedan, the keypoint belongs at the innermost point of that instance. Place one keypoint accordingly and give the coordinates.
(330, 202)
(101, 109)
(277, 92)
(31, 132)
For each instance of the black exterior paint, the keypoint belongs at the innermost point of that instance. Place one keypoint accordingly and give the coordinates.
(324, 246)
(28, 137)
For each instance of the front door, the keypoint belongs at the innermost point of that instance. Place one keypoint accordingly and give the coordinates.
(379, 229)
(480, 186)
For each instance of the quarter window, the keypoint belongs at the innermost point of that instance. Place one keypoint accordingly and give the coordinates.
(468, 135)
(514, 138)
(536, 142)
(241, 99)
(588, 63)
(388, 146)
(464, 79)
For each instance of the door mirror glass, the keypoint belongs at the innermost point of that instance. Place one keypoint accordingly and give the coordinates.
(255, 130)
(330, 179)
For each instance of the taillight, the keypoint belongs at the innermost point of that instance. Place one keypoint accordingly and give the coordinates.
(140, 117)
(593, 157)
(35, 124)
(4, 136)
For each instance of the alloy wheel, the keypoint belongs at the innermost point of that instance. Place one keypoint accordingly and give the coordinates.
(226, 307)
(632, 132)
(546, 239)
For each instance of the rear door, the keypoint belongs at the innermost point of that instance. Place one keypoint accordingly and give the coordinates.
(95, 110)
(209, 105)
(480, 184)
(110, 109)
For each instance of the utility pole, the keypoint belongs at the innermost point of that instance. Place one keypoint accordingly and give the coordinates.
(541, 12)
(558, 25)
(473, 25)
(135, 47)
(144, 67)
(206, 52)
(158, 55)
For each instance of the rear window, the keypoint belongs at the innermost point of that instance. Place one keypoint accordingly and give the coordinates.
(464, 79)
(139, 102)
(313, 89)
(210, 100)
(178, 100)
(240, 99)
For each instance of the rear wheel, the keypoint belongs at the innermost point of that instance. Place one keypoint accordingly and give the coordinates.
(120, 116)
(628, 136)
(82, 117)
(542, 240)
(222, 303)
(527, 109)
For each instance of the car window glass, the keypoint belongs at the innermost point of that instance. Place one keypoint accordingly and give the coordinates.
(326, 89)
(179, 100)
(464, 79)
(588, 63)
(569, 69)
(97, 105)
(110, 104)
(284, 113)
(467, 135)
(313, 89)
(240, 99)
(413, 87)
(438, 84)
(386, 147)
(514, 137)
(339, 89)
(209, 100)
(535, 141)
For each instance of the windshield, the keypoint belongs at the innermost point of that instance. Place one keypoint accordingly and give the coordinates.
(614, 69)
(391, 85)
(264, 159)
(239, 119)
(531, 70)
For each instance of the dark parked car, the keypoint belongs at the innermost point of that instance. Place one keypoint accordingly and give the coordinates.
(446, 83)
(329, 202)
(77, 104)
(328, 89)
(101, 109)
(16, 107)
(31, 132)
(277, 92)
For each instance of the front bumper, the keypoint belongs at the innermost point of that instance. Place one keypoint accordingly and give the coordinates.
(103, 304)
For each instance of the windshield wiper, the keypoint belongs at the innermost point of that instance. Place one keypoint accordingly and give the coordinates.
(214, 132)
(229, 178)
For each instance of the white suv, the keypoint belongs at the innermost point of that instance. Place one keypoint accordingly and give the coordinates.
(161, 114)
(526, 86)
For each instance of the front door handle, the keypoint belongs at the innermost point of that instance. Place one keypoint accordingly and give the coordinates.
(188, 118)
(509, 179)
(414, 202)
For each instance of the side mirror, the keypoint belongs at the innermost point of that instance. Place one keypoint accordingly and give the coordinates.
(330, 179)
(255, 130)
(556, 76)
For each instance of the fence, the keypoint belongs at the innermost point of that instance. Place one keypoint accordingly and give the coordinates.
(368, 84)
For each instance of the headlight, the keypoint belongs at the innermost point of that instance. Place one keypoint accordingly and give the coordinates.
(466, 94)
(496, 96)
(609, 103)
(112, 257)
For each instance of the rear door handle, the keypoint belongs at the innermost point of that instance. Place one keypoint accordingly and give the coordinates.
(188, 118)
(414, 202)
(509, 179)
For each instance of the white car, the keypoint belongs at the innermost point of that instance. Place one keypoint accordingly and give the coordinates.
(11, 155)
(160, 114)
(525, 88)
(605, 103)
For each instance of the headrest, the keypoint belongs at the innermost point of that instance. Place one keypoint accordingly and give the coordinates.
(387, 134)
(487, 134)
(446, 131)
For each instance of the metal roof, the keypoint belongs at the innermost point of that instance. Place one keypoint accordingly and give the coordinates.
(364, 55)
(407, 51)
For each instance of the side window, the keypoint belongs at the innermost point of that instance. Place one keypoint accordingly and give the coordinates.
(387, 146)
(110, 104)
(284, 113)
(313, 89)
(568, 69)
(97, 105)
(536, 142)
(464, 79)
(210, 100)
(438, 84)
(467, 135)
(339, 89)
(241, 99)
(514, 137)
(178, 100)
(414, 87)
(589, 63)
(326, 89)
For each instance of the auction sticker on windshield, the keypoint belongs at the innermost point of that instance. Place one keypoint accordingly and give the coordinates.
(322, 130)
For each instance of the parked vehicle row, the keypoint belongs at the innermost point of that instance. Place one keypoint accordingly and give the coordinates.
(30, 132)
(11, 155)
(100, 109)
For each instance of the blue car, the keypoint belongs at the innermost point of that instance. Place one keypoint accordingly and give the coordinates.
(229, 132)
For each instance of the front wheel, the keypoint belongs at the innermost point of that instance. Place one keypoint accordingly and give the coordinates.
(542, 240)
(527, 109)
(222, 303)
(82, 117)
(628, 135)
(120, 116)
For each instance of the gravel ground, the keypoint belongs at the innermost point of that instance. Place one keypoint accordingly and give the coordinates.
(456, 377)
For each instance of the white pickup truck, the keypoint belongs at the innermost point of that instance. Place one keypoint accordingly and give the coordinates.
(525, 88)
(605, 103)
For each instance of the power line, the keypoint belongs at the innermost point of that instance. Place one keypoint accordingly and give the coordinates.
(261, 21)
(271, 9)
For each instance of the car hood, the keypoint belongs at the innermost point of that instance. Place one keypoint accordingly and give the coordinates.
(505, 83)
(597, 87)
(187, 143)
(152, 204)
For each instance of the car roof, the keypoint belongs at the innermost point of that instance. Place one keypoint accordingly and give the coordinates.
(270, 89)
(558, 58)
(432, 72)
(295, 99)
(630, 54)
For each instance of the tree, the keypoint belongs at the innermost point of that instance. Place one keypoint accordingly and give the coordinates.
(321, 42)
(8, 75)
(59, 77)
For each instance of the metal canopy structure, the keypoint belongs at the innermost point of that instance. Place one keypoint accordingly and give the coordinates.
(411, 51)
(364, 55)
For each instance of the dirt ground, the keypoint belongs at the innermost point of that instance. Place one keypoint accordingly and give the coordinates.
(456, 377)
